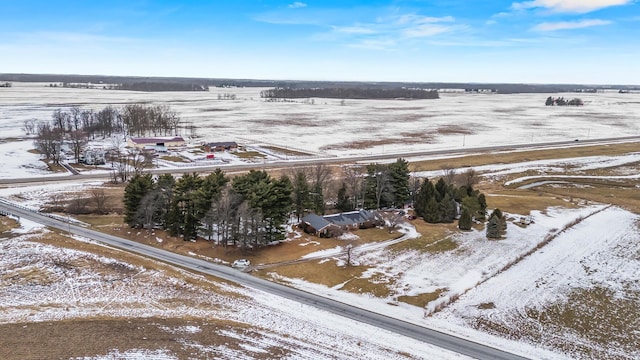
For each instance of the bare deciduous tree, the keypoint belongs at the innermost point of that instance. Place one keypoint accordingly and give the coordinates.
(99, 199)
(29, 126)
(448, 174)
(353, 180)
(469, 178)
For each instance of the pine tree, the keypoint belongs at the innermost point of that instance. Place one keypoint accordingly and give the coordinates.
(446, 209)
(134, 192)
(301, 194)
(343, 204)
(482, 211)
(441, 189)
(431, 211)
(464, 223)
(399, 181)
(425, 194)
(493, 228)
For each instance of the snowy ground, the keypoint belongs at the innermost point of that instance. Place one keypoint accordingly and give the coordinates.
(453, 121)
(601, 252)
(41, 282)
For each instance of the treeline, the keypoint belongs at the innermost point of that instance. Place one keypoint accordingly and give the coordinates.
(159, 86)
(561, 101)
(348, 93)
(132, 120)
(5, 85)
(247, 212)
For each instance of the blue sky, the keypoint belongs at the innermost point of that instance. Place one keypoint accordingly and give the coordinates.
(531, 41)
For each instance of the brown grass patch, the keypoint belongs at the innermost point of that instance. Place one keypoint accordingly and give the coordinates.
(378, 286)
(430, 235)
(99, 337)
(174, 158)
(365, 144)
(524, 201)
(453, 130)
(286, 151)
(521, 156)
(421, 300)
(7, 224)
(327, 273)
(249, 154)
(625, 197)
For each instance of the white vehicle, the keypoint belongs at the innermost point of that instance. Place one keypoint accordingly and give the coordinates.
(241, 263)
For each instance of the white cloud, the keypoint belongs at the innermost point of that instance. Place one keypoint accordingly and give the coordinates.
(427, 30)
(568, 25)
(569, 6)
(297, 5)
(418, 19)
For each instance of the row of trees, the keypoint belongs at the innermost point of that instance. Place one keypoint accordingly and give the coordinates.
(248, 211)
(349, 93)
(132, 119)
(561, 101)
(159, 86)
(74, 127)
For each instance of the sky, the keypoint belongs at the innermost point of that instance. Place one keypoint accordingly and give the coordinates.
(535, 41)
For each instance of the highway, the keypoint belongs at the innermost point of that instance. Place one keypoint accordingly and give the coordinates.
(332, 160)
(433, 337)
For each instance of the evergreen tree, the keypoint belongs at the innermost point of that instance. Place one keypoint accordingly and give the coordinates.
(441, 189)
(502, 222)
(343, 204)
(432, 211)
(493, 228)
(399, 182)
(465, 220)
(446, 209)
(425, 194)
(164, 187)
(300, 193)
(189, 196)
(271, 197)
(134, 192)
(471, 204)
(482, 210)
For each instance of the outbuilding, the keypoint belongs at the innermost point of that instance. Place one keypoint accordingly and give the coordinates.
(156, 142)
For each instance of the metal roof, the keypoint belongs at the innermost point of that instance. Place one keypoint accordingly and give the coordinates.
(316, 221)
(157, 140)
(343, 219)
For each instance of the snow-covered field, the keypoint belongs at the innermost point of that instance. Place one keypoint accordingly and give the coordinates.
(452, 121)
(602, 252)
(482, 296)
(41, 282)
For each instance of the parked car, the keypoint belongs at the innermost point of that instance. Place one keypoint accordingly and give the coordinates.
(241, 263)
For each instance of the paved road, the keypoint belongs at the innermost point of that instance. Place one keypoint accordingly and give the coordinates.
(333, 160)
(433, 337)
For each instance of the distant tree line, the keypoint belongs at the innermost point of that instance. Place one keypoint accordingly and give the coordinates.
(349, 93)
(561, 101)
(159, 86)
(5, 85)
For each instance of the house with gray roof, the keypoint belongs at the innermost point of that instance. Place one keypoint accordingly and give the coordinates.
(322, 225)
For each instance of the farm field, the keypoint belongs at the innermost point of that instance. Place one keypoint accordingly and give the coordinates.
(530, 292)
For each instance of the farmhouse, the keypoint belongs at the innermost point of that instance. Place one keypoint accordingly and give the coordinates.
(221, 146)
(157, 143)
(93, 157)
(324, 226)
